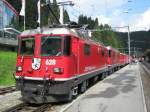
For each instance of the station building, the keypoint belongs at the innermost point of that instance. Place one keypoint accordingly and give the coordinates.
(9, 19)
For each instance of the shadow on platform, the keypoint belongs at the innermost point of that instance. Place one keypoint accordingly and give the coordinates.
(122, 83)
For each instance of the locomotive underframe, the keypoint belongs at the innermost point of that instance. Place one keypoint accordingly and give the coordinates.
(44, 91)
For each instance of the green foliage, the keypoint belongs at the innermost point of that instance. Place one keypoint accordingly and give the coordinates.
(139, 40)
(55, 9)
(16, 4)
(32, 13)
(96, 23)
(44, 14)
(84, 20)
(7, 67)
(66, 17)
(105, 35)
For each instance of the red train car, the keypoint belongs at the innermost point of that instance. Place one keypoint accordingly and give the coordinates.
(124, 59)
(54, 64)
(113, 59)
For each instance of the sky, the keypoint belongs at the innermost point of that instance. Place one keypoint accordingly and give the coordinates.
(117, 13)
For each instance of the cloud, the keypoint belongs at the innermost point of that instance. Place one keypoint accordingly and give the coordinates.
(142, 22)
(94, 7)
(117, 12)
(110, 12)
(137, 21)
(103, 19)
(90, 7)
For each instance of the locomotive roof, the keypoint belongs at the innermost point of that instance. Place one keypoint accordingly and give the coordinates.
(62, 30)
(50, 31)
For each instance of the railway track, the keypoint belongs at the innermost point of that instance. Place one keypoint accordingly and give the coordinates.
(7, 90)
(146, 64)
(145, 76)
(23, 107)
(146, 68)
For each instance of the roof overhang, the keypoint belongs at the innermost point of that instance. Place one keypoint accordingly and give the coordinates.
(12, 30)
(10, 7)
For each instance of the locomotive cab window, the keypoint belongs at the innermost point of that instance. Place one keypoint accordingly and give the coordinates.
(27, 46)
(51, 46)
(67, 45)
(87, 49)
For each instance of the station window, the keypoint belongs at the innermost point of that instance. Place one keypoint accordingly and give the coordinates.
(87, 49)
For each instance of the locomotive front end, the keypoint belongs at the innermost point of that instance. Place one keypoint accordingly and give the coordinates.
(41, 62)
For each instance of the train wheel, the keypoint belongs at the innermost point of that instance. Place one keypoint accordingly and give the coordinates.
(103, 76)
(70, 95)
(75, 92)
(95, 79)
(83, 86)
(113, 70)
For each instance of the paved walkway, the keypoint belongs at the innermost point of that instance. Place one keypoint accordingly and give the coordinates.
(120, 92)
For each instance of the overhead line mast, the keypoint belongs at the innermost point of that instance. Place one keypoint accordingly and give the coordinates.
(61, 5)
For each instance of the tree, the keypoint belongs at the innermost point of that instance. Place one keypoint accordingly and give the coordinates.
(105, 35)
(47, 17)
(140, 39)
(80, 19)
(16, 4)
(66, 17)
(31, 14)
(55, 9)
(44, 14)
(89, 21)
(96, 23)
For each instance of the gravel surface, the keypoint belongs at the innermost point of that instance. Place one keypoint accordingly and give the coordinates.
(9, 100)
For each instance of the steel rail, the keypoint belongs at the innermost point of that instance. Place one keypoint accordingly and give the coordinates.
(7, 90)
(26, 107)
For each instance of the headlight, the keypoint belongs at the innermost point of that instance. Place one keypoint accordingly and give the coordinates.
(19, 68)
(58, 70)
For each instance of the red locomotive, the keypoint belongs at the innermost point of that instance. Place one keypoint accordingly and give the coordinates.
(54, 64)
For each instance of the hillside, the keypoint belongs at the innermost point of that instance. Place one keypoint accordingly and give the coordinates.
(140, 40)
(7, 67)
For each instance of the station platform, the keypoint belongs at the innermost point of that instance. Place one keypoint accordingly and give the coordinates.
(120, 92)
